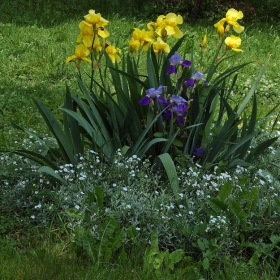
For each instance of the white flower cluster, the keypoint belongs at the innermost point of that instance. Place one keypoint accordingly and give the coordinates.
(218, 223)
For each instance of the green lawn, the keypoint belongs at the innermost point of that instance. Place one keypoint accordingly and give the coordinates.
(100, 224)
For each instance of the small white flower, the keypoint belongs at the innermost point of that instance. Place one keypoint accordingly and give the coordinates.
(32, 217)
(181, 195)
(124, 189)
(138, 228)
(38, 206)
(128, 206)
(77, 207)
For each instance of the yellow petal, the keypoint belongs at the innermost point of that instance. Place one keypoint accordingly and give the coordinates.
(234, 15)
(70, 58)
(233, 42)
(112, 53)
(86, 59)
(88, 41)
(103, 33)
(79, 38)
(146, 46)
(178, 33)
(160, 45)
(204, 42)
(237, 50)
(173, 19)
(95, 19)
(170, 30)
(220, 27)
(238, 28)
(134, 45)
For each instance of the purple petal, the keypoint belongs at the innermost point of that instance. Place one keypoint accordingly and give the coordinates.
(171, 69)
(175, 58)
(151, 91)
(197, 75)
(199, 152)
(144, 101)
(161, 99)
(166, 103)
(154, 92)
(186, 63)
(167, 114)
(205, 83)
(178, 99)
(160, 89)
(180, 120)
(180, 109)
(190, 82)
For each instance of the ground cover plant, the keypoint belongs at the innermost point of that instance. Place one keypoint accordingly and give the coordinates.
(188, 180)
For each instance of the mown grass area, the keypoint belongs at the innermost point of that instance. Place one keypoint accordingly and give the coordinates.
(53, 230)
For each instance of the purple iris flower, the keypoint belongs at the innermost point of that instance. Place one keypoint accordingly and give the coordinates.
(180, 110)
(152, 94)
(193, 80)
(177, 105)
(198, 153)
(174, 60)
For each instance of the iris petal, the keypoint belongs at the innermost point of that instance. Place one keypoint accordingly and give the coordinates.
(186, 63)
(180, 120)
(175, 58)
(160, 99)
(171, 69)
(190, 82)
(144, 101)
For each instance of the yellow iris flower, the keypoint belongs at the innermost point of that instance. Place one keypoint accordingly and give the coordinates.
(95, 19)
(167, 25)
(112, 52)
(160, 45)
(87, 33)
(232, 16)
(233, 43)
(81, 52)
(134, 45)
(144, 37)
